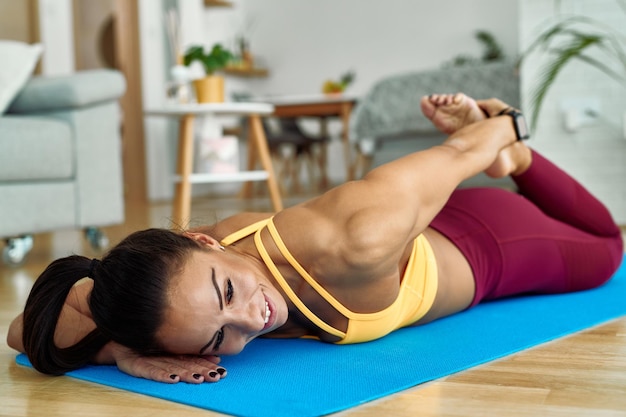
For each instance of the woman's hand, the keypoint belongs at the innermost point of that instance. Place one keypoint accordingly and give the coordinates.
(169, 369)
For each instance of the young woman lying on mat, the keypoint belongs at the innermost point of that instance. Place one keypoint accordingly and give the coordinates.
(401, 247)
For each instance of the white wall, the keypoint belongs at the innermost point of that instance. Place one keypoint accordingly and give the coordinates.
(304, 42)
(57, 36)
(158, 132)
(594, 154)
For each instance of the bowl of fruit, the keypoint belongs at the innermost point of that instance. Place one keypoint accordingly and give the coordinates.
(333, 87)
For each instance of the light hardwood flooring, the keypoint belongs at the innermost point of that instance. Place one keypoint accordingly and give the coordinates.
(580, 375)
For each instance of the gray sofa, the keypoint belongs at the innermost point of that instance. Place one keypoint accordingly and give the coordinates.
(60, 159)
(391, 108)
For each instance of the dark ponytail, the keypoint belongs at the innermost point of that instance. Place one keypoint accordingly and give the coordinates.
(127, 301)
(41, 315)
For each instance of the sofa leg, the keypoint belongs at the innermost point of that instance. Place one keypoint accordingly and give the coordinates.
(96, 238)
(16, 249)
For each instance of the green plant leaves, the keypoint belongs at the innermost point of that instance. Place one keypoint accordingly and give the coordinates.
(193, 53)
(216, 59)
(575, 38)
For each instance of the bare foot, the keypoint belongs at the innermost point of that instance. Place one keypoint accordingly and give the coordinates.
(450, 112)
(515, 159)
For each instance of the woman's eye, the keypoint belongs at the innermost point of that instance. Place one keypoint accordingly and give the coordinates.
(229, 291)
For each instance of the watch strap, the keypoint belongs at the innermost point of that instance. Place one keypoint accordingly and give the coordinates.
(519, 122)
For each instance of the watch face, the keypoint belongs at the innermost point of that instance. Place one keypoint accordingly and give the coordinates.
(522, 127)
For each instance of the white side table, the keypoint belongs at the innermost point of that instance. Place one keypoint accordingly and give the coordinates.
(257, 148)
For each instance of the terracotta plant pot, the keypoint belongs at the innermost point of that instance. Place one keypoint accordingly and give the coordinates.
(209, 89)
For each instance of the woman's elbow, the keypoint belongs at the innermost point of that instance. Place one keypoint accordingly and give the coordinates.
(14, 337)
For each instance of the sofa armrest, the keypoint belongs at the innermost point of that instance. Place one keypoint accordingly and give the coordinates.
(84, 88)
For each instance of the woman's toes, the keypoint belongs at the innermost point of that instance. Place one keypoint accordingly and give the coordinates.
(446, 100)
(458, 98)
(428, 108)
(450, 112)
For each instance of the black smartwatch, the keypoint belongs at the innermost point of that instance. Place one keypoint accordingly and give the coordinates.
(519, 122)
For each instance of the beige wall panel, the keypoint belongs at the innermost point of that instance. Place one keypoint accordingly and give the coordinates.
(17, 20)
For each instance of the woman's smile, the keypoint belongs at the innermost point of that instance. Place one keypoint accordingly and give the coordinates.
(218, 303)
(270, 315)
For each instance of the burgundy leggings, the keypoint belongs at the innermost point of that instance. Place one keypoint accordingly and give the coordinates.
(552, 237)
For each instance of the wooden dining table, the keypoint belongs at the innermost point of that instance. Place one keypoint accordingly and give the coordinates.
(322, 106)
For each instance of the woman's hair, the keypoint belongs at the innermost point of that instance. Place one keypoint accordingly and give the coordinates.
(127, 301)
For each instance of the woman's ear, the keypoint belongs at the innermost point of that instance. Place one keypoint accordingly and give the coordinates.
(204, 239)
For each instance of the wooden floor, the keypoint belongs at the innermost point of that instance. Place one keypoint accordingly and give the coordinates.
(580, 375)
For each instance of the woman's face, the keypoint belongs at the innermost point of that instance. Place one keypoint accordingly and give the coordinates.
(220, 301)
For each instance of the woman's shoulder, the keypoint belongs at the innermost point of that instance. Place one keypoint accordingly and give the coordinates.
(334, 242)
(232, 224)
(346, 262)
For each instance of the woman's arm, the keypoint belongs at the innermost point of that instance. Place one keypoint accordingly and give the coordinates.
(69, 331)
(75, 322)
(14, 337)
(378, 215)
(418, 185)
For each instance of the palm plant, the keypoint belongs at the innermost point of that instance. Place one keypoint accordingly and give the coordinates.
(577, 38)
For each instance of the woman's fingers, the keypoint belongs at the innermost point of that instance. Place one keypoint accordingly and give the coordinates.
(492, 106)
(173, 369)
(212, 358)
(196, 369)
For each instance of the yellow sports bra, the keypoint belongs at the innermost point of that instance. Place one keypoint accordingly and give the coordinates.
(416, 296)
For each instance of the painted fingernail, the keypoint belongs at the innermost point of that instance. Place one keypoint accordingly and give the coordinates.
(196, 376)
(212, 374)
(173, 376)
(221, 371)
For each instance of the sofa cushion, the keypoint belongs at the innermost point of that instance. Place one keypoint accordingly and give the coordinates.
(69, 92)
(18, 62)
(35, 148)
(37, 207)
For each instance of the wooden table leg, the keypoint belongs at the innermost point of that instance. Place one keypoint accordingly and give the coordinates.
(182, 193)
(259, 142)
(346, 109)
(323, 161)
(246, 190)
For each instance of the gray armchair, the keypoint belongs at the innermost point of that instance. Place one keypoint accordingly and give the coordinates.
(60, 159)
(391, 109)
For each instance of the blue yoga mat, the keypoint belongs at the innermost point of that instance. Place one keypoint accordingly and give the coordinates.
(309, 378)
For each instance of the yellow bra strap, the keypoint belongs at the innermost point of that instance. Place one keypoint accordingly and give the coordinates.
(290, 293)
(246, 231)
(303, 272)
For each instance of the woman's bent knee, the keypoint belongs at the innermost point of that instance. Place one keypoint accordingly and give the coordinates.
(616, 256)
(592, 265)
(617, 251)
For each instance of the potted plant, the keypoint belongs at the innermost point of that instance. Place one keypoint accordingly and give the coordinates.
(492, 51)
(338, 87)
(209, 89)
(577, 38)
